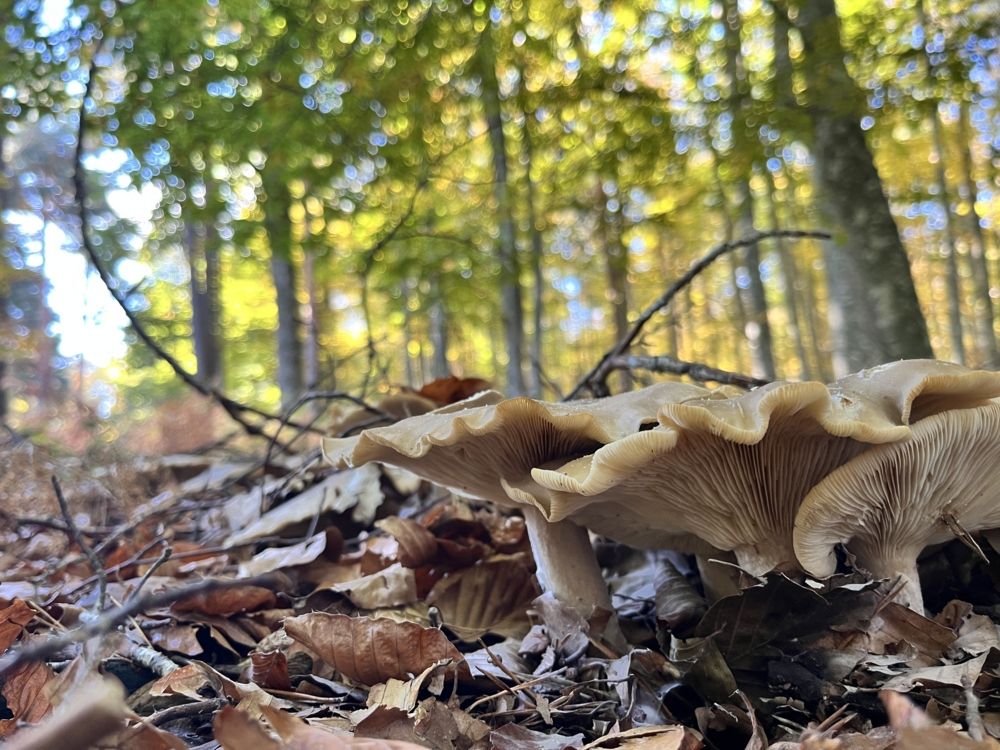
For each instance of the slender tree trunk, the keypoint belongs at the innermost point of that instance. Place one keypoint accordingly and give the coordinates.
(869, 250)
(510, 285)
(204, 320)
(757, 329)
(616, 270)
(406, 289)
(311, 363)
(950, 245)
(537, 256)
(283, 274)
(983, 301)
(4, 322)
(953, 284)
(438, 320)
(790, 278)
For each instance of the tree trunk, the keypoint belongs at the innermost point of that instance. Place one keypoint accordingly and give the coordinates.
(283, 274)
(790, 278)
(4, 198)
(510, 285)
(311, 358)
(953, 284)
(439, 333)
(757, 329)
(203, 268)
(869, 251)
(982, 300)
(616, 270)
(537, 255)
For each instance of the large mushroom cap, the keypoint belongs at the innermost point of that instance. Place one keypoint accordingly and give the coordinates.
(473, 449)
(731, 472)
(909, 390)
(890, 503)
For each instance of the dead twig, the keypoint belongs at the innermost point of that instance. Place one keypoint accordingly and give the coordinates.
(164, 556)
(74, 532)
(110, 619)
(595, 380)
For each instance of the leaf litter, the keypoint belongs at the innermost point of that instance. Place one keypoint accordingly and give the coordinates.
(393, 615)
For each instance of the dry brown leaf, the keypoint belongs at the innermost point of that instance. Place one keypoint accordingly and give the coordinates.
(391, 587)
(277, 558)
(950, 674)
(228, 601)
(13, 620)
(181, 639)
(651, 738)
(92, 711)
(516, 737)
(269, 669)
(417, 546)
(235, 730)
(371, 650)
(490, 597)
(24, 693)
(191, 681)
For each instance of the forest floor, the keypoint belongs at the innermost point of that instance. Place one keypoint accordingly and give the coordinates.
(218, 600)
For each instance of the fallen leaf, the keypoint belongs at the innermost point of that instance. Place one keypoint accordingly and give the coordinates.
(651, 738)
(417, 546)
(391, 587)
(13, 620)
(516, 737)
(228, 601)
(235, 730)
(371, 650)
(90, 712)
(269, 669)
(276, 558)
(489, 597)
(451, 389)
(23, 692)
(181, 639)
(949, 674)
(356, 490)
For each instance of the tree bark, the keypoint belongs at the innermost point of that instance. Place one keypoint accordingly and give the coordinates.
(869, 251)
(284, 277)
(203, 268)
(982, 299)
(537, 256)
(757, 329)
(510, 285)
(438, 320)
(616, 270)
(790, 278)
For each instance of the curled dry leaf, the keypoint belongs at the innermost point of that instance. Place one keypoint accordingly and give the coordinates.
(673, 737)
(371, 650)
(417, 546)
(24, 692)
(269, 669)
(13, 620)
(228, 601)
(490, 597)
(277, 558)
(516, 737)
(391, 587)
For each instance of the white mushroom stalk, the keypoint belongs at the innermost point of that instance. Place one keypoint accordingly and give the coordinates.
(890, 503)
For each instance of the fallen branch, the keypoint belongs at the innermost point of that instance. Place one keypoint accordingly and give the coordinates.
(110, 619)
(595, 380)
(694, 370)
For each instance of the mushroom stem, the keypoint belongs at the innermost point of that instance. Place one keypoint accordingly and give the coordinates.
(718, 580)
(908, 588)
(567, 566)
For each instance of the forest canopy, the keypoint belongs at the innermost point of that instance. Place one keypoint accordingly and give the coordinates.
(315, 195)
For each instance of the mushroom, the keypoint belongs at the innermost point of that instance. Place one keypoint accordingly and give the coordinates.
(909, 390)
(730, 471)
(487, 452)
(887, 505)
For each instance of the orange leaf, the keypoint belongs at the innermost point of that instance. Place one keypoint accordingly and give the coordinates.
(228, 601)
(269, 669)
(235, 730)
(416, 544)
(371, 650)
(451, 389)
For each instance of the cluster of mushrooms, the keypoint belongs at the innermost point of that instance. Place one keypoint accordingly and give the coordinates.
(886, 461)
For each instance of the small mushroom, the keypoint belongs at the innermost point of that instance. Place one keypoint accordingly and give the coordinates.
(730, 471)
(484, 451)
(887, 505)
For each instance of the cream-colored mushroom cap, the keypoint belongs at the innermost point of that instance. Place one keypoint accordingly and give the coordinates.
(473, 450)
(911, 389)
(890, 503)
(731, 472)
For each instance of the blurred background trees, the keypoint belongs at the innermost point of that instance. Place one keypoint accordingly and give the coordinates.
(340, 194)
